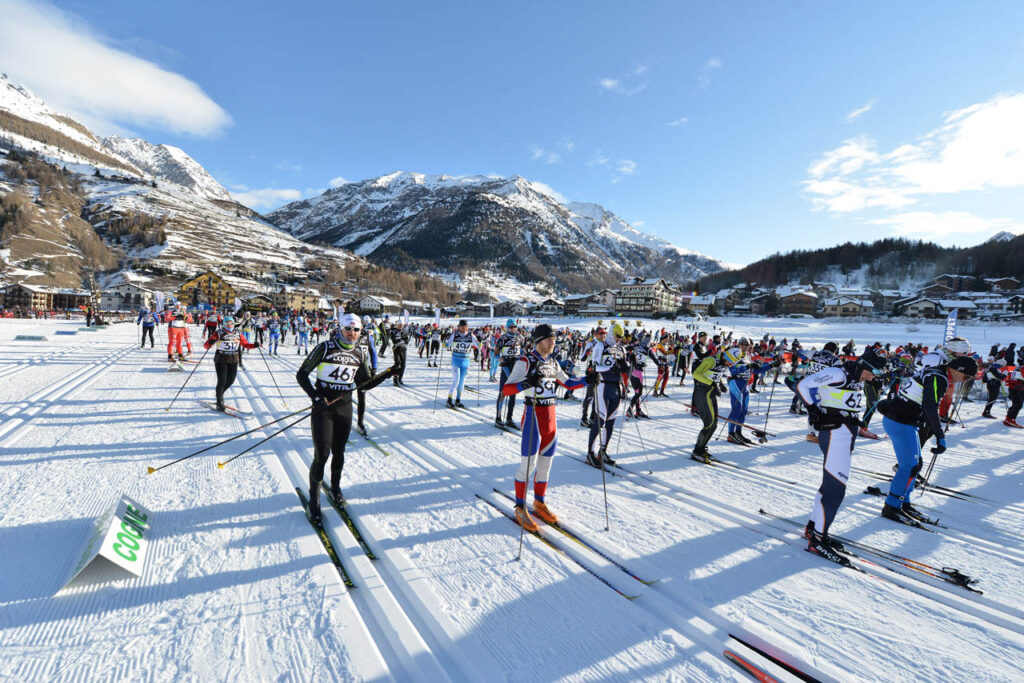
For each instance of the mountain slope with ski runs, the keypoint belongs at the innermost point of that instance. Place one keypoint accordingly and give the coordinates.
(511, 225)
(123, 178)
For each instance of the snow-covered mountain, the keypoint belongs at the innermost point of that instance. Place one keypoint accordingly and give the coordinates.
(182, 223)
(28, 122)
(1002, 236)
(511, 225)
(167, 163)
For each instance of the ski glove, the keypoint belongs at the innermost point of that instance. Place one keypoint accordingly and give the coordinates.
(533, 379)
(591, 377)
(819, 421)
(940, 447)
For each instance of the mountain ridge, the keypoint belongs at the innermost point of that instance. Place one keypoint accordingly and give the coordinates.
(513, 225)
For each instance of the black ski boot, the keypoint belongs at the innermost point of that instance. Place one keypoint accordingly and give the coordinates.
(220, 405)
(336, 493)
(450, 404)
(896, 515)
(594, 460)
(604, 457)
(498, 423)
(459, 403)
(701, 455)
(511, 424)
(361, 429)
(910, 511)
(825, 547)
(315, 514)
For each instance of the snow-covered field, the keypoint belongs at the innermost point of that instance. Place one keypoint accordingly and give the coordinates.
(238, 585)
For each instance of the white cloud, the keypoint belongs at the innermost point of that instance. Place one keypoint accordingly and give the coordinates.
(288, 166)
(266, 198)
(860, 111)
(549, 157)
(628, 84)
(638, 224)
(935, 226)
(980, 147)
(76, 70)
(626, 167)
(707, 71)
(337, 182)
(678, 122)
(599, 159)
(567, 145)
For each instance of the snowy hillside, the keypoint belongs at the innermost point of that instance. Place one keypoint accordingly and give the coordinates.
(509, 225)
(238, 586)
(169, 164)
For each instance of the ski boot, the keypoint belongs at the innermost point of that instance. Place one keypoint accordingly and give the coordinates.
(825, 547)
(701, 455)
(736, 438)
(812, 437)
(170, 358)
(542, 511)
(450, 404)
(1012, 423)
(867, 433)
(459, 403)
(220, 405)
(743, 437)
(361, 429)
(511, 424)
(498, 423)
(910, 511)
(315, 514)
(641, 414)
(584, 423)
(336, 493)
(605, 457)
(989, 415)
(524, 519)
(897, 515)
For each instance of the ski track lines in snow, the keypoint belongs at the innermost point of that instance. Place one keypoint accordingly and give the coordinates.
(236, 586)
(883, 601)
(542, 605)
(239, 586)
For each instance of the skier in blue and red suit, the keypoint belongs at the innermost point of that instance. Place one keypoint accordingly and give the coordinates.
(538, 374)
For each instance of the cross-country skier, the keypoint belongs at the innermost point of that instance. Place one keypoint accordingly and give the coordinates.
(149, 321)
(177, 332)
(834, 398)
(994, 377)
(707, 377)
(230, 343)
(460, 344)
(273, 328)
(434, 348)
(341, 364)
(915, 400)
(508, 347)
(368, 342)
(539, 375)
(399, 344)
(609, 367)
(301, 336)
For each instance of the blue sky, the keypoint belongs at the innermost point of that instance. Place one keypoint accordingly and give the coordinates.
(737, 129)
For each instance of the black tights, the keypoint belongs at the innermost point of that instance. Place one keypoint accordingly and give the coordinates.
(225, 377)
(331, 427)
(705, 402)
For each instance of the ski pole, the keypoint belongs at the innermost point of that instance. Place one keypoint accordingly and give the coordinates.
(478, 386)
(151, 470)
(650, 470)
(771, 394)
(604, 482)
(365, 386)
(283, 402)
(168, 408)
(437, 385)
(522, 523)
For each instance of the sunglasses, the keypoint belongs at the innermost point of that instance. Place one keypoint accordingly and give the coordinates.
(349, 328)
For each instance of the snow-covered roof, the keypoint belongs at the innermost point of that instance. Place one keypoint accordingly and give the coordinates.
(703, 299)
(789, 290)
(954, 303)
(843, 300)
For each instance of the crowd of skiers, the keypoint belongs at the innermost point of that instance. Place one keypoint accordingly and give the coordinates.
(917, 391)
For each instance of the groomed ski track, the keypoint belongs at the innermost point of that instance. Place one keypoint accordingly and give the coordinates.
(239, 585)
